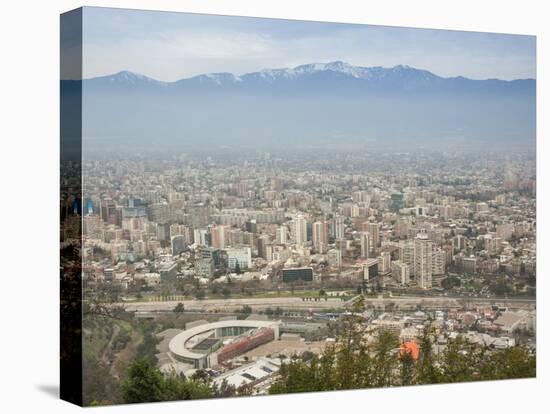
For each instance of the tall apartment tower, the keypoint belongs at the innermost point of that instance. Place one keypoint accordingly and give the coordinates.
(320, 236)
(338, 227)
(262, 243)
(423, 256)
(219, 235)
(406, 254)
(298, 229)
(281, 235)
(374, 230)
(384, 262)
(366, 243)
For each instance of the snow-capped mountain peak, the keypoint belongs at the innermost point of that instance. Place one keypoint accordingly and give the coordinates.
(217, 78)
(125, 76)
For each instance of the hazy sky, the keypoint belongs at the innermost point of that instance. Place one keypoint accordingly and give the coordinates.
(170, 46)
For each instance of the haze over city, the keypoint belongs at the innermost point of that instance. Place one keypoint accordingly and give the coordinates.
(271, 206)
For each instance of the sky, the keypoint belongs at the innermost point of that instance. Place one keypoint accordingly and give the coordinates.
(169, 46)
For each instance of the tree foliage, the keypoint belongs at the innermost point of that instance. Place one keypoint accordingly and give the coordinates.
(147, 384)
(353, 362)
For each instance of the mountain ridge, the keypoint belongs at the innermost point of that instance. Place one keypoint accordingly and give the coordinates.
(358, 72)
(311, 104)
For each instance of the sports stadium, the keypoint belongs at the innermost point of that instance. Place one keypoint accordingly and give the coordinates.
(211, 344)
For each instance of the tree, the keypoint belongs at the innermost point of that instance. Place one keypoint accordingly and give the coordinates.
(144, 383)
(407, 368)
(226, 292)
(459, 363)
(177, 387)
(501, 287)
(246, 309)
(147, 384)
(516, 362)
(180, 308)
(450, 282)
(199, 294)
(427, 373)
(352, 362)
(385, 362)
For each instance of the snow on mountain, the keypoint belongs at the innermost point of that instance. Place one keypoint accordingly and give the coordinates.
(271, 75)
(323, 76)
(401, 105)
(128, 77)
(216, 78)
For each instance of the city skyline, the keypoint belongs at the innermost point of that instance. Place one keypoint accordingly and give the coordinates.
(258, 208)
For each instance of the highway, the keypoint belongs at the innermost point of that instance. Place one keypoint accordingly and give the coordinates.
(402, 302)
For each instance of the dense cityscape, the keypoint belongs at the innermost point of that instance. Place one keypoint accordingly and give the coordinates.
(228, 267)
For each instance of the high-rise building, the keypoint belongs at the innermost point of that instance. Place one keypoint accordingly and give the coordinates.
(397, 202)
(423, 256)
(163, 232)
(459, 243)
(178, 244)
(374, 230)
(201, 237)
(365, 244)
(263, 241)
(360, 197)
(384, 262)
(401, 272)
(251, 226)
(334, 258)
(338, 227)
(236, 237)
(438, 262)
(219, 237)
(406, 254)
(369, 269)
(320, 236)
(281, 235)
(298, 230)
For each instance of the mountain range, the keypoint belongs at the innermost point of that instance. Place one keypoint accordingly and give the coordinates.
(316, 104)
(318, 77)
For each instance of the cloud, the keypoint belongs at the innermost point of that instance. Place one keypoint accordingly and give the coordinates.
(171, 46)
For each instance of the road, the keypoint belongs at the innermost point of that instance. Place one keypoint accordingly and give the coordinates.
(402, 302)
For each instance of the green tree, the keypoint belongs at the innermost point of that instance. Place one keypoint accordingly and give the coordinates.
(407, 368)
(226, 292)
(427, 371)
(385, 362)
(144, 383)
(353, 362)
(458, 362)
(147, 384)
(450, 282)
(515, 362)
(177, 387)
